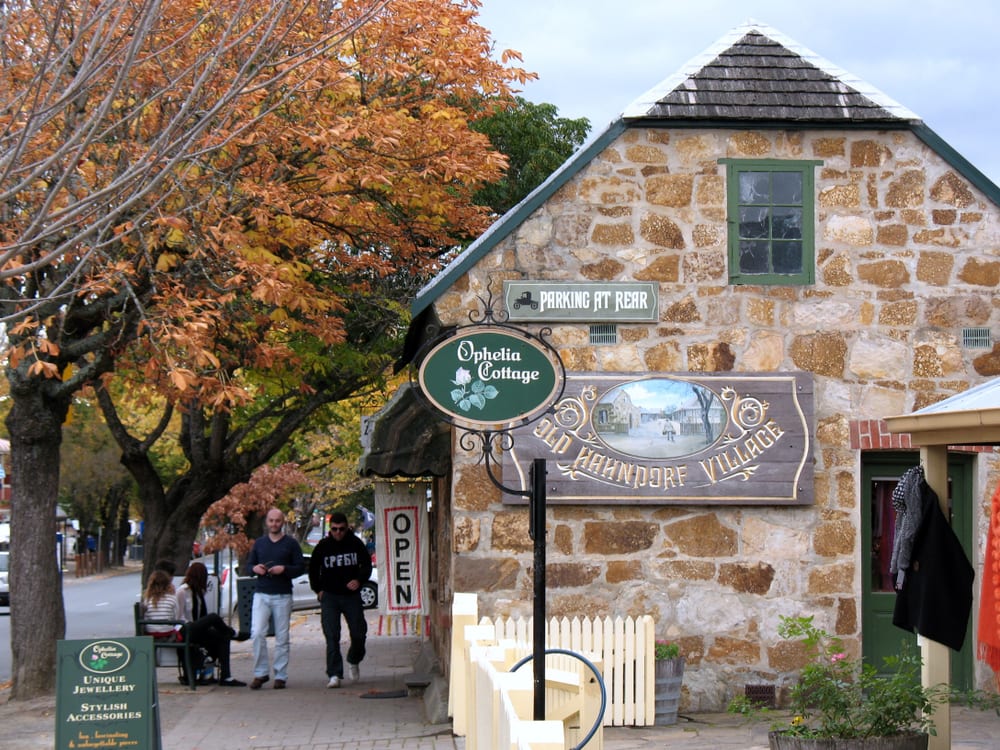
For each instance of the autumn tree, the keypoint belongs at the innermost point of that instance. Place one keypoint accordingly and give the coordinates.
(231, 517)
(220, 200)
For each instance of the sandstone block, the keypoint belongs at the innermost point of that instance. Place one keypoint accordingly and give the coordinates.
(702, 536)
(682, 311)
(892, 234)
(837, 271)
(764, 353)
(833, 538)
(867, 153)
(663, 268)
(988, 364)
(749, 144)
(672, 190)
(980, 272)
(474, 490)
(953, 190)
(686, 570)
(613, 234)
(728, 650)
(665, 357)
(888, 274)
(622, 571)
(716, 357)
(907, 190)
(569, 575)
(704, 266)
(604, 270)
(747, 578)
(840, 196)
(851, 230)
(618, 538)
(465, 535)
(821, 353)
(825, 148)
(875, 357)
(643, 154)
(485, 574)
(935, 267)
(837, 578)
(510, 532)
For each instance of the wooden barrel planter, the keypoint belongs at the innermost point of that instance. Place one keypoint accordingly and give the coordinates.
(669, 674)
(911, 741)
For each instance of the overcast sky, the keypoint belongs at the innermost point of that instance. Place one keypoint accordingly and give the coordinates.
(938, 58)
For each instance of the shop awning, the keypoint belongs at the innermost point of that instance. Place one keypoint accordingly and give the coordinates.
(406, 440)
(968, 418)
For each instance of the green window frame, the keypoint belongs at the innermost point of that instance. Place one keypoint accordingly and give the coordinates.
(771, 217)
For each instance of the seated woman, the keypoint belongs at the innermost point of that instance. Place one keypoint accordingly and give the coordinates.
(160, 603)
(205, 628)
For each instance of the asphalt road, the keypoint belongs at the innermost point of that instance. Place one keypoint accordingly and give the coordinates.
(94, 607)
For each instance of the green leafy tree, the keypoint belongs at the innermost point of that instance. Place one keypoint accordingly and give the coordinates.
(94, 487)
(535, 140)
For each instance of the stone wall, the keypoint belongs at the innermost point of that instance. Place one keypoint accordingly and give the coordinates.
(907, 254)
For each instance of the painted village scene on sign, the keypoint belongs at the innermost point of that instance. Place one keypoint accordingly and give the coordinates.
(713, 438)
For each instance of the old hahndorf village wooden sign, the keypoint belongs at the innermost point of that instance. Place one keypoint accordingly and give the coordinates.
(705, 438)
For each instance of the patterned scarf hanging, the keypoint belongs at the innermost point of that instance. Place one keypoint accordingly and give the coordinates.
(989, 600)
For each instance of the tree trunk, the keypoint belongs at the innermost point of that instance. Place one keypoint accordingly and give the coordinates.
(37, 617)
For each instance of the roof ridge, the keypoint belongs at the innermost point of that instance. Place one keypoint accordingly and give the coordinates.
(641, 106)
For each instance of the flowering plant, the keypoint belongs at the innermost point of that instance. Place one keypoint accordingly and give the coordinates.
(666, 650)
(846, 698)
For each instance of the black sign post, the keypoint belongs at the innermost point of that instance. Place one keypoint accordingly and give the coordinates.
(106, 694)
(537, 533)
(489, 379)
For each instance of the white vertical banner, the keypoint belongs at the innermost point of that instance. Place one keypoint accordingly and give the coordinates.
(402, 547)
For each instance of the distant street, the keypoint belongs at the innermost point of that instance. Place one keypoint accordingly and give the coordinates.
(99, 606)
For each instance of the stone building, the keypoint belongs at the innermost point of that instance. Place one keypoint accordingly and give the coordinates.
(793, 221)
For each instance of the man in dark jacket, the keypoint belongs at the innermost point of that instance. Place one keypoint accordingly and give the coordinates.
(276, 559)
(339, 565)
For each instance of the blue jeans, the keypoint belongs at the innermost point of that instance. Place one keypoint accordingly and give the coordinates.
(331, 607)
(264, 607)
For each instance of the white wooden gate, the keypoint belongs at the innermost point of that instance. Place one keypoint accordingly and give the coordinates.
(625, 648)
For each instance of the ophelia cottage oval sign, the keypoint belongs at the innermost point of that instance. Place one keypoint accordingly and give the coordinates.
(489, 376)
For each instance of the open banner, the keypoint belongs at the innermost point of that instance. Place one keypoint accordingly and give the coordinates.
(402, 548)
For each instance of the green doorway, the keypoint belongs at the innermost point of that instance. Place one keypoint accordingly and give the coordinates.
(879, 474)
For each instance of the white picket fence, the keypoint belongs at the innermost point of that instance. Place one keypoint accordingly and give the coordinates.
(624, 647)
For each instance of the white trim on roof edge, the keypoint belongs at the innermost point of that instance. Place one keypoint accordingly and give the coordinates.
(641, 106)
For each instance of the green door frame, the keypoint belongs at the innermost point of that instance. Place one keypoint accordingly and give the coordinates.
(878, 635)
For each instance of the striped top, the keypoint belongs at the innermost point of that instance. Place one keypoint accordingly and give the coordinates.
(164, 608)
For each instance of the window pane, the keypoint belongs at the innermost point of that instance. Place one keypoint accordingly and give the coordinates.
(753, 257)
(754, 222)
(787, 187)
(755, 187)
(787, 257)
(787, 224)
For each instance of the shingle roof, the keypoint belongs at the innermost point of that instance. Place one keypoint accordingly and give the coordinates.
(756, 73)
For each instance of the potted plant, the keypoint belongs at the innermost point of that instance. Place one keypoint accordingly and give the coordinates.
(846, 704)
(669, 668)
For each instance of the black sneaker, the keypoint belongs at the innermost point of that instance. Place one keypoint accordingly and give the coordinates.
(230, 682)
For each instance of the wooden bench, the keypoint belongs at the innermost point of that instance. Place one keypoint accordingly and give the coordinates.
(183, 651)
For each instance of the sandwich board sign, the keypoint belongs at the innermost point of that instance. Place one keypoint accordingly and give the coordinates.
(106, 694)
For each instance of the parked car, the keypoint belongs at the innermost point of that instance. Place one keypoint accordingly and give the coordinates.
(4, 579)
